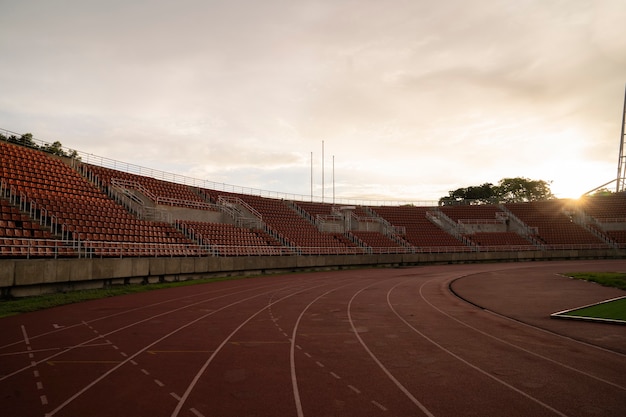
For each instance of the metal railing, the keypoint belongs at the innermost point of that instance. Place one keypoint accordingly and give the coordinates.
(52, 248)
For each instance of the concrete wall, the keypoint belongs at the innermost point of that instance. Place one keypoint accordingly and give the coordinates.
(23, 277)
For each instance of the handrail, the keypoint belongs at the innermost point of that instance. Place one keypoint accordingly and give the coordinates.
(228, 200)
(481, 221)
(36, 212)
(611, 219)
(54, 248)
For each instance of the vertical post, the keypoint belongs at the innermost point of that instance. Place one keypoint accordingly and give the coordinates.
(322, 171)
(311, 176)
(333, 180)
(621, 170)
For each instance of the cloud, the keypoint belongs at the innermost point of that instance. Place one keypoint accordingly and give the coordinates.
(413, 98)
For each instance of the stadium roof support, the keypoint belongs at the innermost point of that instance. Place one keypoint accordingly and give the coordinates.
(621, 163)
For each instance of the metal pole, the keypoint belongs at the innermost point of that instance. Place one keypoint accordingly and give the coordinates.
(333, 180)
(621, 172)
(322, 171)
(311, 176)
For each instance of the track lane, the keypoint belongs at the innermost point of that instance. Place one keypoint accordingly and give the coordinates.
(563, 388)
(314, 334)
(143, 349)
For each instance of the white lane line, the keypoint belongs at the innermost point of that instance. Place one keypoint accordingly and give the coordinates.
(30, 350)
(380, 364)
(170, 300)
(196, 412)
(471, 365)
(320, 364)
(26, 340)
(99, 337)
(173, 394)
(308, 355)
(38, 383)
(221, 346)
(521, 348)
(335, 375)
(145, 371)
(292, 354)
(379, 405)
(159, 383)
(139, 352)
(355, 389)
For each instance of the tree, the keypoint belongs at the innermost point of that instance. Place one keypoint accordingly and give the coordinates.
(470, 195)
(27, 140)
(519, 190)
(508, 190)
(600, 192)
(56, 148)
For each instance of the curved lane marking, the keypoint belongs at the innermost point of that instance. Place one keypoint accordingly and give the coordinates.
(292, 359)
(379, 363)
(471, 365)
(538, 355)
(84, 323)
(196, 378)
(110, 371)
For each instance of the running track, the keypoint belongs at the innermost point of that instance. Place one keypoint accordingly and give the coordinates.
(454, 340)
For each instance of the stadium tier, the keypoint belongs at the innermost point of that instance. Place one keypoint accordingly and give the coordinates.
(59, 207)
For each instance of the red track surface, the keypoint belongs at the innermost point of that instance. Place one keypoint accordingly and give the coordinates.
(385, 342)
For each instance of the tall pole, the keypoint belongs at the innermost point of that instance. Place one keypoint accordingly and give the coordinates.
(311, 176)
(621, 169)
(322, 171)
(333, 180)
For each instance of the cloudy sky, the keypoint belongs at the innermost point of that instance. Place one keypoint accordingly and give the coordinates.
(412, 98)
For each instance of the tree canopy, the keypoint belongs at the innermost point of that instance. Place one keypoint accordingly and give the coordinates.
(55, 148)
(508, 190)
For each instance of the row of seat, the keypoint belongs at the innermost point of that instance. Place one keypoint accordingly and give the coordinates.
(176, 194)
(87, 213)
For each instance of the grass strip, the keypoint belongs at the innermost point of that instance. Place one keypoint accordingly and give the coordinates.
(608, 279)
(10, 307)
(612, 310)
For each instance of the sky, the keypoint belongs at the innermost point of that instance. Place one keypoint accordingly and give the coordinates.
(396, 100)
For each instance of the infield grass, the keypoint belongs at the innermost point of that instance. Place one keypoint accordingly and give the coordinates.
(613, 310)
(608, 279)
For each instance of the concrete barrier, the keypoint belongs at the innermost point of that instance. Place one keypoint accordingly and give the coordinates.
(22, 277)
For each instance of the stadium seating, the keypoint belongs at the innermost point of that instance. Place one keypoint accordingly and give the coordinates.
(555, 226)
(226, 239)
(50, 208)
(420, 231)
(296, 230)
(608, 215)
(378, 242)
(159, 191)
(101, 227)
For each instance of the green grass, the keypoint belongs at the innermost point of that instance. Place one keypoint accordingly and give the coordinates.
(612, 310)
(12, 307)
(608, 279)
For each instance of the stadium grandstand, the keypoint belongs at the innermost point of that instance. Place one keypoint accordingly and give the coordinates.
(73, 208)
